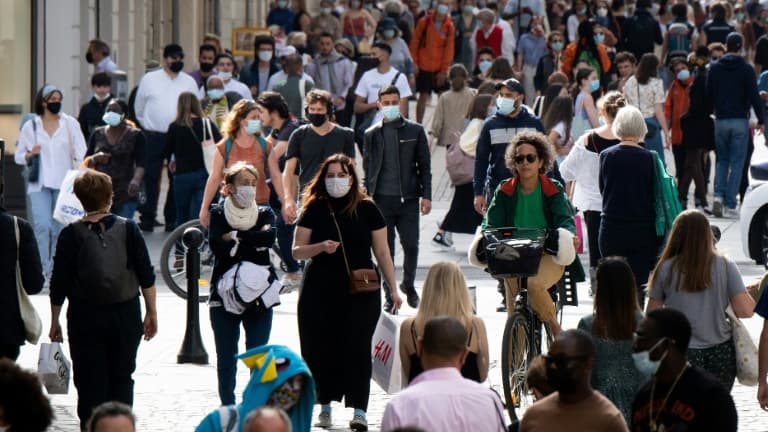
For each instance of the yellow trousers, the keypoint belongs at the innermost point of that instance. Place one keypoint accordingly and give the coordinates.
(538, 289)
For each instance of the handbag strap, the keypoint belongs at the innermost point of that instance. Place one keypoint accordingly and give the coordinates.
(16, 229)
(341, 240)
(71, 146)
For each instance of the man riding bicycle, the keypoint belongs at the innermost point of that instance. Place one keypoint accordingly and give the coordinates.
(530, 199)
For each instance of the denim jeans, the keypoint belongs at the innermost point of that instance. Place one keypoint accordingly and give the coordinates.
(731, 137)
(655, 142)
(127, 210)
(46, 227)
(226, 333)
(188, 194)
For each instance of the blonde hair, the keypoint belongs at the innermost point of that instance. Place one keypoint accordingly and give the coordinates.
(445, 293)
(239, 112)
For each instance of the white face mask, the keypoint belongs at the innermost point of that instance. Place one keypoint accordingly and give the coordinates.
(338, 187)
(245, 195)
(225, 76)
(265, 56)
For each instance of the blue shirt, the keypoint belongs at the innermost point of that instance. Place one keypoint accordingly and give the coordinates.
(281, 17)
(761, 308)
(532, 48)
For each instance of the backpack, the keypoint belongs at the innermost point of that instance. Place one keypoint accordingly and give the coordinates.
(104, 275)
(678, 40)
(641, 33)
(262, 143)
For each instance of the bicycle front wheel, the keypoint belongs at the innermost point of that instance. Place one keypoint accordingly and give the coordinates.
(173, 266)
(515, 354)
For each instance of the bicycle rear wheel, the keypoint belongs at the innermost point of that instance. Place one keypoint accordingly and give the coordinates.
(515, 354)
(173, 266)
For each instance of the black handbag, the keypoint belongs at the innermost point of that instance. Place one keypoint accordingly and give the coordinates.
(33, 164)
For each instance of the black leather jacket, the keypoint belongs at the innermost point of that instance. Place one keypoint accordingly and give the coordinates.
(415, 159)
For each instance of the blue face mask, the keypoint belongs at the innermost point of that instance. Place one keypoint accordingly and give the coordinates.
(594, 85)
(112, 118)
(683, 75)
(484, 65)
(643, 362)
(599, 38)
(469, 8)
(739, 16)
(325, 11)
(388, 34)
(215, 94)
(505, 105)
(493, 112)
(442, 9)
(557, 46)
(391, 112)
(254, 127)
(582, 11)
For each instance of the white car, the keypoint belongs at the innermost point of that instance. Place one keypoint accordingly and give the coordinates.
(754, 217)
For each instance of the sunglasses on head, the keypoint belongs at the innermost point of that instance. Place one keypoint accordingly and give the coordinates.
(530, 157)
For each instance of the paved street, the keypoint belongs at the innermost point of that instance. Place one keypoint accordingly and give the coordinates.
(172, 397)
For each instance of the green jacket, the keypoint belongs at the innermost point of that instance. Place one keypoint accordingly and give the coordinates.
(557, 210)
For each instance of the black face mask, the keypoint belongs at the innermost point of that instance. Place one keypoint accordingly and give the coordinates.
(561, 380)
(317, 120)
(89, 57)
(54, 107)
(206, 67)
(176, 66)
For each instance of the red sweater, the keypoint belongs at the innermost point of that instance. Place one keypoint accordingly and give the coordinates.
(493, 40)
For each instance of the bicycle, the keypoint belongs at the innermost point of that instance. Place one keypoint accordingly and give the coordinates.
(173, 264)
(516, 253)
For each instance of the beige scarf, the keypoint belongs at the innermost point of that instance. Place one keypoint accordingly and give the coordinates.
(241, 219)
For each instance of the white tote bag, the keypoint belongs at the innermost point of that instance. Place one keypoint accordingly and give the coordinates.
(209, 145)
(387, 369)
(54, 368)
(68, 208)
(33, 326)
(746, 351)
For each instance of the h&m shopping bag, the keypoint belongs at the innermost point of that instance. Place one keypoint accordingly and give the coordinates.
(68, 208)
(54, 368)
(387, 369)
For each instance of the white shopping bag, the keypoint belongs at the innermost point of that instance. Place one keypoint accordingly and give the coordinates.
(209, 145)
(387, 370)
(68, 208)
(54, 368)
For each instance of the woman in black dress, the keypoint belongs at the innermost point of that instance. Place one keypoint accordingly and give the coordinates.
(336, 326)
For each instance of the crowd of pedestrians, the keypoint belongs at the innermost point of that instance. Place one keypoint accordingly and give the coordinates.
(547, 110)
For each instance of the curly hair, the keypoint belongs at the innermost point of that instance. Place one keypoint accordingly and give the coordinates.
(539, 141)
(239, 112)
(23, 403)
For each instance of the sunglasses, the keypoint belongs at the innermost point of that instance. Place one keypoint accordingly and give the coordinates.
(530, 157)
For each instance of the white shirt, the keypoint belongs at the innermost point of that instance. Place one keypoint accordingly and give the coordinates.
(236, 86)
(372, 81)
(157, 98)
(105, 65)
(58, 153)
(583, 166)
(441, 400)
(280, 76)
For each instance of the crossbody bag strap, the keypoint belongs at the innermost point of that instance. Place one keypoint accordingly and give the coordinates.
(341, 240)
(16, 229)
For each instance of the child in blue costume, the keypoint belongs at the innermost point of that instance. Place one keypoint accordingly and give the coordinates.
(279, 378)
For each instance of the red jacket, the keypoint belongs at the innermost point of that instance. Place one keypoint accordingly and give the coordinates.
(676, 105)
(432, 50)
(569, 59)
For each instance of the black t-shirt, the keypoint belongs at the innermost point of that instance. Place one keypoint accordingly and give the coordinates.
(186, 144)
(596, 143)
(312, 149)
(284, 134)
(697, 403)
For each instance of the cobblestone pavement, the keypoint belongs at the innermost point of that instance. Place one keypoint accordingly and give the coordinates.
(173, 397)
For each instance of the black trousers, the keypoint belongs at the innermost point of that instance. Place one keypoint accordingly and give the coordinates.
(9, 351)
(592, 219)
(103, 341)
(402, 216)
(154, 146)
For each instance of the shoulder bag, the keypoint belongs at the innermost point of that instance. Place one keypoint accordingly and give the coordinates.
(746, 351)
(33, 164)
(360, 280)
(33, 327)
(207, 143)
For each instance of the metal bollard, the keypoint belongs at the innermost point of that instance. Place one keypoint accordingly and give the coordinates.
(192, 350)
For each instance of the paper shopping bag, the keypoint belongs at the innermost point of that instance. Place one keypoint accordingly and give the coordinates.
(387, 369)
(68, 208)
(54, 368)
